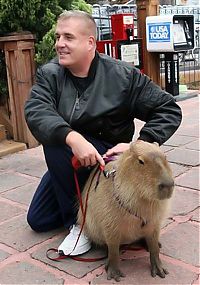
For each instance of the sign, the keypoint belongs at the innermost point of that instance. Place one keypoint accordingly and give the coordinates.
(128, 20)
(130, 53)
(159, 32)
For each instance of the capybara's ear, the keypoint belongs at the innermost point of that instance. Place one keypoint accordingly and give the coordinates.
(132, 145)
(141, 159)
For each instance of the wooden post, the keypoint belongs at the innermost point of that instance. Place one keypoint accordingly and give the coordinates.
(151, 60)
(19, 57)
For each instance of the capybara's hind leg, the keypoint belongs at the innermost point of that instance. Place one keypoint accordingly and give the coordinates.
(112, 267)
(156, 264)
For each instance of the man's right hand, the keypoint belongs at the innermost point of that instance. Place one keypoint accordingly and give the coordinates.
(84, 151)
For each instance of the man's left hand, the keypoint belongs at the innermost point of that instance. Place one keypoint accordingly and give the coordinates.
(119, 148)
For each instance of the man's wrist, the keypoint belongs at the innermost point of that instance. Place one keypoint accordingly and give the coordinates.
(71, 137)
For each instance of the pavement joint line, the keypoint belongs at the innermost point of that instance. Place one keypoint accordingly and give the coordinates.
(33, 176)
(18, 173)
(95, 273)
(180, 263)
(40, 244)
(28, 176)
(8, 249)
(13, 203)
(180, 219)
(187, 187)
(196, 223)
(21, 173)
(66, 282)
(176, 176)
(183, 187)
(14, 258)
(11, 219)
(185, 165)
(50, 268)
(59, 273)
(196, 281)
(193, 210)
(169, 227)
(13, 188)
(54, 270)
(25, 256)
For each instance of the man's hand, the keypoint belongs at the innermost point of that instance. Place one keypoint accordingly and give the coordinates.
(119, 148)
(84, 151)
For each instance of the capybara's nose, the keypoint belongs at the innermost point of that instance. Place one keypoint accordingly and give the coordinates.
(165, 189)
(166, 185)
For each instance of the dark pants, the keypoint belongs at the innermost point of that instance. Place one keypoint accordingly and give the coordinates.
(54, 203)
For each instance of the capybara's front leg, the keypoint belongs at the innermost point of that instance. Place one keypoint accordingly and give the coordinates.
(112, 266)
(156, 264)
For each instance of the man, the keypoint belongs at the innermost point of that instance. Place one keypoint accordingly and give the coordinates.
(83, 104)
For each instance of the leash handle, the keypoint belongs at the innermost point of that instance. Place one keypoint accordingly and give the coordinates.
(75, 163)
(77, 258)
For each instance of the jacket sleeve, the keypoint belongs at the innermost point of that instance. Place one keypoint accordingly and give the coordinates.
(155, 107)
(41, 115)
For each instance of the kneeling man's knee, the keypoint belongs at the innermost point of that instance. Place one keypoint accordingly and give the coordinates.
(33, 223)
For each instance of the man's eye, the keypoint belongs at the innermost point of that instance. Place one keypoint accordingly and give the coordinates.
(69, 38)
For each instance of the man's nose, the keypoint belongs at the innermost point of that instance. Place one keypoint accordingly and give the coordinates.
(60, 42)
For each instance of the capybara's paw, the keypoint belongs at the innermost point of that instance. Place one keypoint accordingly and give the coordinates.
(114, 273)
(158, 270)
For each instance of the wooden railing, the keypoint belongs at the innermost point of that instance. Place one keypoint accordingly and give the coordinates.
(20, 67)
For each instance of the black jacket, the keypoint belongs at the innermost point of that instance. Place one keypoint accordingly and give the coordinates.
(106, 109)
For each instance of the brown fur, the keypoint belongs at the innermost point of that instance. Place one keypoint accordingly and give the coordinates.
(143, 183)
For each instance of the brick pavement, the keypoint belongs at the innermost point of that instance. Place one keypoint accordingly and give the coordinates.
(22, 252)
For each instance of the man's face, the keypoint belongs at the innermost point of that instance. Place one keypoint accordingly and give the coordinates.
(72, 42)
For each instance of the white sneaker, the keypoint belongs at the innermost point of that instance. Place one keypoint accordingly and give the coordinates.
(67, 246)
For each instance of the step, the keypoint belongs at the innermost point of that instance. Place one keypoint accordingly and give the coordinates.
(10, 146)
(2, 133)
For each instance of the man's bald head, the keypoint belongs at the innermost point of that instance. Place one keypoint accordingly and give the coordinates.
(90, 25)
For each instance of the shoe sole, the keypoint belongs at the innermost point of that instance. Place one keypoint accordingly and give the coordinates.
(75, 252)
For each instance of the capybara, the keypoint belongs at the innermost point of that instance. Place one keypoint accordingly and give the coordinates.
(130, 204)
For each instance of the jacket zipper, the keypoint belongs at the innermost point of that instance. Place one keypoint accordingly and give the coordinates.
(75, 107)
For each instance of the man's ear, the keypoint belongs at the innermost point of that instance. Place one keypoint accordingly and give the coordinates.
(92, 43)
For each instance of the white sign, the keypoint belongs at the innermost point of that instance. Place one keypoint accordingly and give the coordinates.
(128, 20)
(130, 53)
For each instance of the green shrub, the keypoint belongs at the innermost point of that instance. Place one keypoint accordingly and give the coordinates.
(38, 17)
